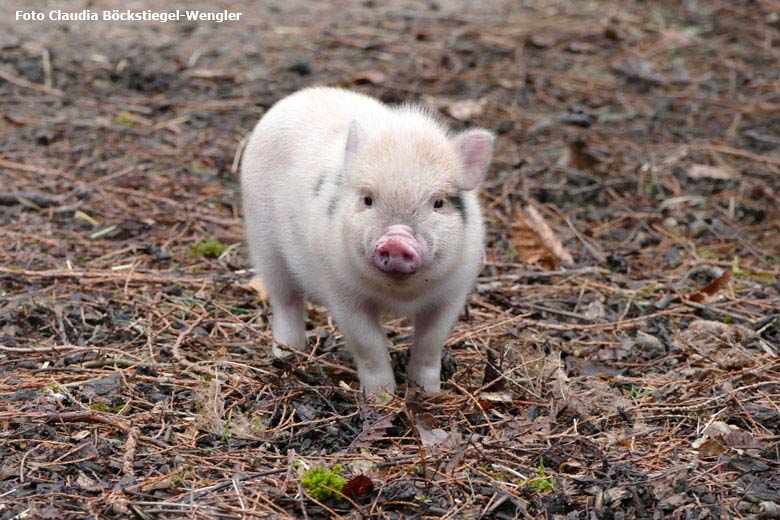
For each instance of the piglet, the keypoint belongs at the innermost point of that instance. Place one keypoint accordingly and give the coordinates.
(368, 210)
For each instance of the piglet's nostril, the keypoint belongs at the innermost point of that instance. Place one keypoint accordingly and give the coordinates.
(395, 256)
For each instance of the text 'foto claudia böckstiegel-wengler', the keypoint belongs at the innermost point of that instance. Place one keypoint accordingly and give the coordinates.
(127, 15)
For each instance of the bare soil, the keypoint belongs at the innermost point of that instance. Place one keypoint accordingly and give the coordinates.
(641, 380)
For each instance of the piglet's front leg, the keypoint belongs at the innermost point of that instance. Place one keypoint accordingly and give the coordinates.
(431, 327)
(366, 339)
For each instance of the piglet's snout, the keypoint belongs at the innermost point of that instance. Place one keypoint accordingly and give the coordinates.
(397, 251)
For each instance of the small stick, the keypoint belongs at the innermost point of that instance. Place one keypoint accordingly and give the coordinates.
(87, 416)
(176, 349)
(46, 59)
(23, 83)
(129, 456)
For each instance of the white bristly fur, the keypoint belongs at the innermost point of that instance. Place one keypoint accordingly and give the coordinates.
(310, 232)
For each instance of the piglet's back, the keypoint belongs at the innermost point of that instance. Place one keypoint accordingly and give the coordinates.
(303, 135)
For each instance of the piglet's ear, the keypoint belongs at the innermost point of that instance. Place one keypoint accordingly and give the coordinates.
(356, 137)
(475, 148)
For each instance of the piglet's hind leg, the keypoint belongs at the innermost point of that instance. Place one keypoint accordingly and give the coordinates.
(431, 327)
(288, 324)
(287, 306)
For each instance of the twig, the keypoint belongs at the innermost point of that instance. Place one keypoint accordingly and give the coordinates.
(129, 455)
(106, 275)
(87, 416)
(46, 62)
(43, 200)
(176, 349)
(23, 83)
(716, 310)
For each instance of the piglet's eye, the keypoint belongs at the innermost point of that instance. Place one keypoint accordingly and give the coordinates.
(368, 200)
(438, 203)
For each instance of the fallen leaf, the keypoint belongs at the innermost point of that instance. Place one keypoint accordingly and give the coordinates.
(711, 448)
(716, 428)
(702, 330)
(88, 484)
(594, 311)
(432, 437)
(578, 156)
(741, 440)
(365, 460)
(717, 284)
(719, 436)
(696, 297)
(256, 285)
(358, 487)
(535, 240)
(425, 424)
(374, 430)
(711, 288)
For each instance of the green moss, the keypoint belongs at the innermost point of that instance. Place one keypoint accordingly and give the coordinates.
(766, 278)
(209, 248)
(257, 426)
(99, 407)
(321, 483)
(183, 478)
(646, 291)
(706, 252)
(125, 118)
(542, 483)
(638, 393)
(225, 439)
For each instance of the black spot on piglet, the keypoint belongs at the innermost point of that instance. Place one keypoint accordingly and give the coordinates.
(457, 203)
(318, 186)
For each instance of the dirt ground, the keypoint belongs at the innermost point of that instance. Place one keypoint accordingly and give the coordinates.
(638, 378)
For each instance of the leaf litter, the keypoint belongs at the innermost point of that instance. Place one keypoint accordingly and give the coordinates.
(635, 161)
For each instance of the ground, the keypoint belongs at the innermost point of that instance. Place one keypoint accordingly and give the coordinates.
(638, 378)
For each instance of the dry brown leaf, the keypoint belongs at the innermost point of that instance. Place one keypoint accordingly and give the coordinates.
(705, 171)
(711, 448)
(358, 487)
(696, 297)
(578, 156)
(711, 288)
(529, 246)
(425, 424)
(741, 440)
(256, 285)
(374, 431)
(432, 437)
(717, 284)
(706, 329)
(547, 236)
